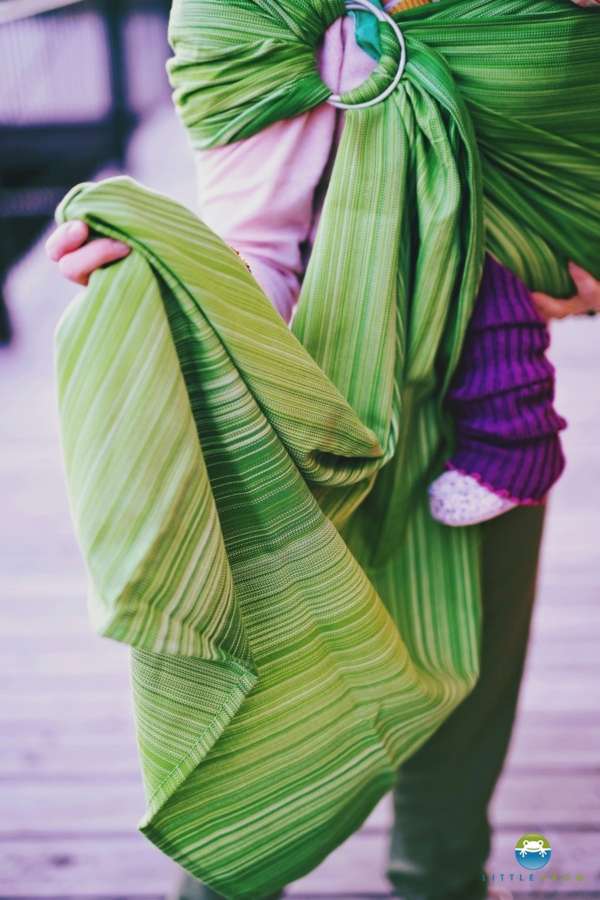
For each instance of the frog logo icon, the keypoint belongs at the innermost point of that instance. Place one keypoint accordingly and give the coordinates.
(533, 851)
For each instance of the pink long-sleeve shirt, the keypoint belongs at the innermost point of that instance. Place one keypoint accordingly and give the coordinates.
(263, 195)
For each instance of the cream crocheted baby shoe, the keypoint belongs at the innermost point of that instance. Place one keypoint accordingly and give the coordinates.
(457, 499)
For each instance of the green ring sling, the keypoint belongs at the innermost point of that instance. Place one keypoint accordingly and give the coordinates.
(250, 498)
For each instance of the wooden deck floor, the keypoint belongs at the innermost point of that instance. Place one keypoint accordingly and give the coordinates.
(70, 793)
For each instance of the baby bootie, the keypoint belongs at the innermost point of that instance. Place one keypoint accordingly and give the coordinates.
(457, 499)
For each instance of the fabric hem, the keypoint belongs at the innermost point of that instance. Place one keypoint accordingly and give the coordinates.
(194, 756)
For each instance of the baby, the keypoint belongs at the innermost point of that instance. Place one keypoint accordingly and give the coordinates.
(264, 195)
(508, 450)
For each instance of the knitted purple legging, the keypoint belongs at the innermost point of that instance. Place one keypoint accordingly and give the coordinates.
(501, 397)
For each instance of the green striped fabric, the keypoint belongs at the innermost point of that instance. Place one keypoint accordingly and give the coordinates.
(279, 678)
(250, 499)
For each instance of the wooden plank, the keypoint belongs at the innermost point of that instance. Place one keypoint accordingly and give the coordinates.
(57, 711)
(549, 798)
(552, 690)
(108, 806)
(68, 868)
(357, 868)
(106, 747)
(554, 746)
(117, 867)
(96, 701)
(581, 590)
(527, 800)
(107, 658)
(52, 605)
(31, 808)
(43, 730)
(74, 685)
(563, 617)
(81, 756)
(66, 632)
(543, 655)
(100, 672)
(94, 655)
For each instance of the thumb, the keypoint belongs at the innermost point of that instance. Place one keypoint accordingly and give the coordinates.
(588, 287)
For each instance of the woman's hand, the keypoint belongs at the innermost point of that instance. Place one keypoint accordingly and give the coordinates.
(587, 298)
(77, 259)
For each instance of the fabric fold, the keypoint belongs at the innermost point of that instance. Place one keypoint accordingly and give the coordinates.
(274, 694)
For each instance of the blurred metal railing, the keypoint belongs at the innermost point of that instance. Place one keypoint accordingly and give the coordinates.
(66, 109)
(11, 10)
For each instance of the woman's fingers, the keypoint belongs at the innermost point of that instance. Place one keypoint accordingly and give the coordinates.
(551, 308)
(66, 238)
(588, 287)
(79, 265)
(587, 297)
(76, 258)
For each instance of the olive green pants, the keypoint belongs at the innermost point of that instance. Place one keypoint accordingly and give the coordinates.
(441, 835)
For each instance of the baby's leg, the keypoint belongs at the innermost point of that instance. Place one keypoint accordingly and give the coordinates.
(508, 449)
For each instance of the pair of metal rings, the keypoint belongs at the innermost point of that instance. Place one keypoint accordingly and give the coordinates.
(335, 99)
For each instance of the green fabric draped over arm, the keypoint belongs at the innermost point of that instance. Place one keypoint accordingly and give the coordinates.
(278, 680)
(251, 499)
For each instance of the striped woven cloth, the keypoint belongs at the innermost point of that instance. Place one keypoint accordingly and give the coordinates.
(251, 500)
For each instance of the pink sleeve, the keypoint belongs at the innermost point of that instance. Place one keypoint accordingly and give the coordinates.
(257, 194)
